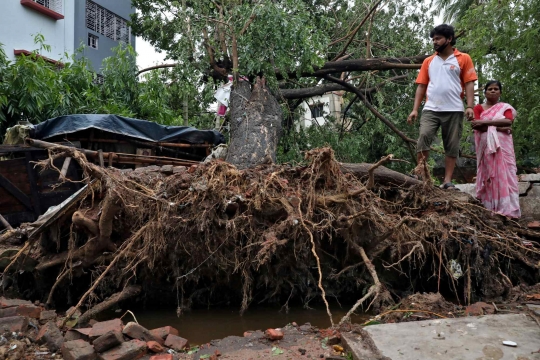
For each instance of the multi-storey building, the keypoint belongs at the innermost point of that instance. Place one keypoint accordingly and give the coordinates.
(96, 25)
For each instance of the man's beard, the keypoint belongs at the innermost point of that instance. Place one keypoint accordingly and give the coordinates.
(440, 48)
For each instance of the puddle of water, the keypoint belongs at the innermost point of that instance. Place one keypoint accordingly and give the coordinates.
(200, 326)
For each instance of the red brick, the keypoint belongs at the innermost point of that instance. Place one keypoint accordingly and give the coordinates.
(479, 308)
(192, 169)
(163, 332)
(11, 311)
(176, 342)
(72, 334)
(136, 331)
(103, 327)
(273, 334)
(30, 311)
(534, 225)
(6, 303)
(78, 350)
(129, 350)
(162, 357)
(217, 353)
(154, 346)
(108, 341)
(50, 335)
(13, 324)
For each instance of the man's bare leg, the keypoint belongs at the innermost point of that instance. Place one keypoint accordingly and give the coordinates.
(449, 165)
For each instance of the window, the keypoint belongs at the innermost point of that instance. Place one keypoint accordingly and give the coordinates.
(51, 8)
(106, 23)
(93, 41)
(317, 110)
(99, 79)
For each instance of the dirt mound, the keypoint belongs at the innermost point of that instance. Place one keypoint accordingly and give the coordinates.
(213, 233)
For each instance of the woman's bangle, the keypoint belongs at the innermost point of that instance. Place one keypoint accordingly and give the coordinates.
(469, 107)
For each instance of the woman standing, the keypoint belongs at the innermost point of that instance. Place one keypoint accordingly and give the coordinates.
(496, 180)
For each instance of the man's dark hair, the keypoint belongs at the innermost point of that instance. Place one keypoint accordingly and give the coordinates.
(491, 82)
(444, 30)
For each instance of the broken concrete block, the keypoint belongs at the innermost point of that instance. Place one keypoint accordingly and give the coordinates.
(167, 169)
(179, 169)
(51, 336)
(523, 187)
(128, 350)
(163, 332)
(108, 341)
(530, 177)
(78, 350)
(14, 324)
(136, 331)
(103, 327)
(176, 342)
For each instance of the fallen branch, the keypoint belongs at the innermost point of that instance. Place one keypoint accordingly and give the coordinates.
(371, 180)
(128, 292)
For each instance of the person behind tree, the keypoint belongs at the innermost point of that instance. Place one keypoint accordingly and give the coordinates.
(443, 79)
(496, 179)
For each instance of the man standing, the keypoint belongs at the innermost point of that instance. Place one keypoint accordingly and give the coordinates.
(444, 75)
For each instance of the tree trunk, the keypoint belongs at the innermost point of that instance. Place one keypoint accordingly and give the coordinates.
(255, 125)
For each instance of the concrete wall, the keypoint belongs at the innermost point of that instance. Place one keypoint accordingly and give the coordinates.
(122, 8)
(331, 107)
(19, 25)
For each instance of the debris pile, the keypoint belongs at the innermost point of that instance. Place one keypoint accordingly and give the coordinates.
(273, 233)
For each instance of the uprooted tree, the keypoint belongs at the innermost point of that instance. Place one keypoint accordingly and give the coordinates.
(271, 233)
(298, 49)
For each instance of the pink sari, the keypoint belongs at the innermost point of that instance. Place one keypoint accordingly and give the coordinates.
(496, 180)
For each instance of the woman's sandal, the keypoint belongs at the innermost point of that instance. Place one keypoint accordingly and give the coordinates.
(449, 186)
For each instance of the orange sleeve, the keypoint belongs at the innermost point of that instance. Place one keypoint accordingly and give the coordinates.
(468, 73)
(423, 75)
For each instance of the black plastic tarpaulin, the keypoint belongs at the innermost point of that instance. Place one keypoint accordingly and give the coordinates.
(139, 129)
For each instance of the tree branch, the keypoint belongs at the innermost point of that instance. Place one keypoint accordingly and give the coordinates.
(355, 31)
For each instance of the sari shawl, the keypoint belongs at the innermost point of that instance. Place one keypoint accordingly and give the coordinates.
(496, 180)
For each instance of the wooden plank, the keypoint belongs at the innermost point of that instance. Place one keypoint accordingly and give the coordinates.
(13, 190)
(5, 223)
(65, 167)
(33, 183)
(100, 156)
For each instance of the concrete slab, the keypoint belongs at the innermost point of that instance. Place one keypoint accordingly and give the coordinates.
(474, 338)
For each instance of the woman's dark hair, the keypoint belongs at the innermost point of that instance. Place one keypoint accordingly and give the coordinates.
(491, 82)
(444, 30)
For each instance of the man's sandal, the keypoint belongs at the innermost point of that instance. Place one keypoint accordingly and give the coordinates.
(449, 186)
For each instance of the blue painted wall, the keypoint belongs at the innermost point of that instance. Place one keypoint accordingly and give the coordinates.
(122, 8)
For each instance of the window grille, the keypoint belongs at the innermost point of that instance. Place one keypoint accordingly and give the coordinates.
(93, 41)
(317, 110)
(54, 5)
(106, 22)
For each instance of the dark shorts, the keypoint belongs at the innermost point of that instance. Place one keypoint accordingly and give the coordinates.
(452, 127)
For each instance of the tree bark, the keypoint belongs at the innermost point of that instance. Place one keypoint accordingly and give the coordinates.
(256, 120)
(382, 175)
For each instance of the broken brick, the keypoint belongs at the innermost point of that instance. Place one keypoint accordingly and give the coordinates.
(14, 324)
(176, 342)
(162, 357)
(30, 311)
(78, 350)
(163, 332)
(273, 334)
(136, 331)
(6, 303)
(129, 350)
(108, 341)
(104, 327)
(154, 346)
(50, 335)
